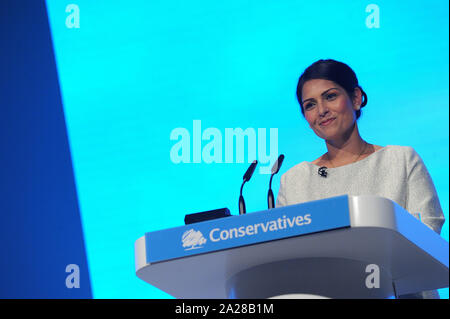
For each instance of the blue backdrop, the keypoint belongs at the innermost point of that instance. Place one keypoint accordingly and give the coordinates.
(41, 234)
(151, 91)
(132, 73)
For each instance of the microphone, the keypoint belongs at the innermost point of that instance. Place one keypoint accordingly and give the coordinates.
(275, 170)
(248, 174)
(323, 171)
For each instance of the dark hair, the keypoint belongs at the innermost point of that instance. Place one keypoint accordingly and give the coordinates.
(335, 71)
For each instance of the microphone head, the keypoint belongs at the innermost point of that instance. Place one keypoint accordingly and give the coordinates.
(277, 165)
(248, 174)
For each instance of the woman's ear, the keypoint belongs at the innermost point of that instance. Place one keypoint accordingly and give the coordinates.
(357, 99)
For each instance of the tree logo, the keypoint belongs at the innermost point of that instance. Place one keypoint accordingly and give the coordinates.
(193, 239)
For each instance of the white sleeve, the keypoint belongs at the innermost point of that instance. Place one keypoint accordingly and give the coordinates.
(421, 193)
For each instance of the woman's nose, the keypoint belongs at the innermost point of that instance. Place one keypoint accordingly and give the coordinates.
(323, 110)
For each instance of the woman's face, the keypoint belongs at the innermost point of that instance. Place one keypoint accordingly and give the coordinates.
(328, 109)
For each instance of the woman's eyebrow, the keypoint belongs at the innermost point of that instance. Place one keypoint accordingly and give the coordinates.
(323, 93)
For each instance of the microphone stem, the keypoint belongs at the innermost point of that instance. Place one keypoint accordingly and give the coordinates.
(242, 186)
(270, 182)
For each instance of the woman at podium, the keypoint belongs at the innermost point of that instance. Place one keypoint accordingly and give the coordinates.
(331, 101)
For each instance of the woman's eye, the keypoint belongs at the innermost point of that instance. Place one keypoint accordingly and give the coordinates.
(331, 96)
(308, 106)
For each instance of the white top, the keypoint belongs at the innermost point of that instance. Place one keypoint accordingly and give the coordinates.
(394, 172)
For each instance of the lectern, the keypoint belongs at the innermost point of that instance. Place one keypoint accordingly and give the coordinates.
(340, 247)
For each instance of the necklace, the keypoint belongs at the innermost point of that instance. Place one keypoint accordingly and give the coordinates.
(364, 149)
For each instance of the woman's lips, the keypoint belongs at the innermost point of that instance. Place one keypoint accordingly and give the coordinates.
(327, 122)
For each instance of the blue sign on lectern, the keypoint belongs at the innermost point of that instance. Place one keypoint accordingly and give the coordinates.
(252, 228)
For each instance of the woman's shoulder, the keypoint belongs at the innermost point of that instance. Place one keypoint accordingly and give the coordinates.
(396, 155)
(299, 169)
(406, 151)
